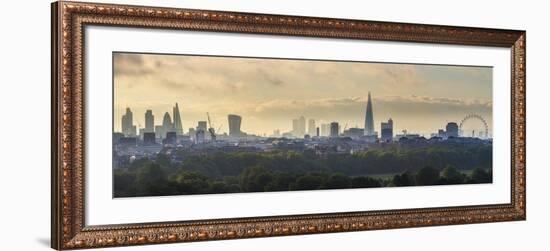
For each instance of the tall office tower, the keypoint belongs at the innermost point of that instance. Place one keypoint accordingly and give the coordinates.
(302, 126)
(452, 129)
(311, 128)
(325, 130)
(299, 127)
(234, 125)
(294, 127)
(387, 130)
(178, 127)
(369, 120)
(167, 122)
(128, 127)
(167, 126)
(317, 132)
(149, 121)
(334, 129)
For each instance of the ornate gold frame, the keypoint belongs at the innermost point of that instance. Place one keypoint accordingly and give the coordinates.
(68, 22)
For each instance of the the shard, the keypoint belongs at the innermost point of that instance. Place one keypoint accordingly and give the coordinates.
(369, 120)
(178, 127)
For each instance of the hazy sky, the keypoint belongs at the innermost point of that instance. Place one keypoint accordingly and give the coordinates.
(269, 93)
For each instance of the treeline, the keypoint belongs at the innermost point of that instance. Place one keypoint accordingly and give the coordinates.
(288, 171)
(377, 161)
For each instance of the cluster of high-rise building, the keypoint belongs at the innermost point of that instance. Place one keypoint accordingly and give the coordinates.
(333, 129)
(367, 133)
(172, 128)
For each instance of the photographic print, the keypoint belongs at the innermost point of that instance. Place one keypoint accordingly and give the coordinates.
(191, 124)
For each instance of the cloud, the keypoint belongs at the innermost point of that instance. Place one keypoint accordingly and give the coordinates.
(387, 76)
(413, 108)
(171, 84)
(272, 92)
(436, 101)
(269, 78)
(130, 65)
(347, 101)
(402, 75)
(128, 58)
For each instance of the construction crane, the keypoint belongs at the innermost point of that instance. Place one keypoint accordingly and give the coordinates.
(210, 128)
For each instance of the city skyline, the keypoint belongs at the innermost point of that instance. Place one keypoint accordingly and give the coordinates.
(264, 112)
(298, 130)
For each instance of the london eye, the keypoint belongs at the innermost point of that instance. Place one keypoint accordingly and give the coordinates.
(474, 126)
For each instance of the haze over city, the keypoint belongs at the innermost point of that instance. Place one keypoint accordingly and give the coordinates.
(269, 93)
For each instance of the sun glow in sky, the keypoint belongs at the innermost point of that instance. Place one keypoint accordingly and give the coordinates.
(269, 93)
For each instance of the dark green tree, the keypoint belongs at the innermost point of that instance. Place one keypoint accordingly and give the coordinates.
(149, 174)
(427, 176)
(152, 180)
(364, 182)
(450, 175)
(124, 183)
(218, 187)
(253, 179)
(281, 182)
(404, 179)
(192, 183)
(163, 160)
(307, 182)
(337, 181)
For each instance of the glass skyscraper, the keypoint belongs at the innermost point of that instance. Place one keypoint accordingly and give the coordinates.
(369, 120)
(178, 127)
